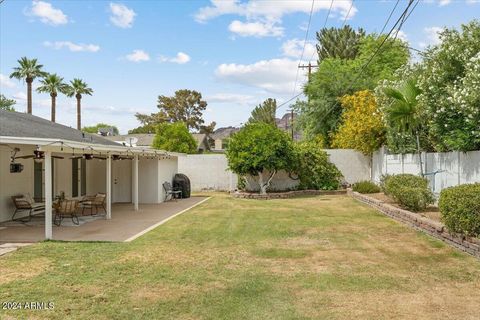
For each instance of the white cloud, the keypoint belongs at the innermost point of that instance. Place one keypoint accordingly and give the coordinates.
(20, 96)
(180, 58)
(270, 10)
(442, 3)
(6, 82)
(275, 75)
(138, 56)
(255, 29)
(473, 1)
(47, 13)
(432, 37)
(121, 16)
(75, 47)
(231, 98)
(293, 48)
(401, 35)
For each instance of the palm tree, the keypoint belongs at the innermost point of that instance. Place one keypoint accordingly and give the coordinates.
(404, 114)
(28, 69)
(53, 84)
(76, 88)
(265, 112)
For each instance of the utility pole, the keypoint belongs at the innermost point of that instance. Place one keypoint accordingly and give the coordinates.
(291, 124)
(309, 66)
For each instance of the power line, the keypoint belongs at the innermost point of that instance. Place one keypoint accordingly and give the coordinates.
(348, 13)
(391, 13)
(304, 45)
(324, 24)
(401, 18)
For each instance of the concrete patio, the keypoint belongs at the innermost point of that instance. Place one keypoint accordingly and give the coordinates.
(125, 225)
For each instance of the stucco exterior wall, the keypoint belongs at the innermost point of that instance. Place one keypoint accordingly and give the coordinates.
(167, 169)
(147, 181)
(354, 165)
(208, 172)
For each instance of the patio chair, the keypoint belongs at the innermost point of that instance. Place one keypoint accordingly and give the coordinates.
(170, 192)
(25, 203)
(90, 202)
(66, 208)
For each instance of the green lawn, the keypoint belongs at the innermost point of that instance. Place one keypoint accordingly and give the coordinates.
(326, 257)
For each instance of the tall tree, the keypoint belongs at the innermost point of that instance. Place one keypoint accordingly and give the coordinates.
(404, 113)
(185, 106)
(28, 69)
(6, 104)
(208, 129)
(265, 112)
(337, 77)
(53, 84)
(341, 43)
(78, 88)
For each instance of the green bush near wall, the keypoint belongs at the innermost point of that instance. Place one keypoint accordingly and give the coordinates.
(460, 208)
(409, 190)
(365, 187)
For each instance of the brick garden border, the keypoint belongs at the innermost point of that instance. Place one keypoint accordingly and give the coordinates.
(286, 195)
(431, 227)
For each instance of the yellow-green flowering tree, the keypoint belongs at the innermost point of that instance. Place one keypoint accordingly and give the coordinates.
(362, 127)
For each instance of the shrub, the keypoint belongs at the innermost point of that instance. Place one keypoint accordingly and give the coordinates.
(409, 190)
(383, 182)
(314, 169)
(365, 187)
(174, 137)
(460, 208)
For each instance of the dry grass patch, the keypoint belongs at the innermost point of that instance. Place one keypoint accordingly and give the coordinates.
(22, 270)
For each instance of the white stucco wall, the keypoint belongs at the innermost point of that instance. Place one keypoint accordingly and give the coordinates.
(354, 165)
(280, 182)
(167, 169)
(147, 181)
(207, 172)
(13, 183)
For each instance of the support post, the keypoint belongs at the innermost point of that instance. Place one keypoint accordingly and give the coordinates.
(135, 183)
(48, 195)
(109, 187)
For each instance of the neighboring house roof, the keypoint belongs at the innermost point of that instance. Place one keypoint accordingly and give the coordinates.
(144, 139)
(16, 124)
(223, 133)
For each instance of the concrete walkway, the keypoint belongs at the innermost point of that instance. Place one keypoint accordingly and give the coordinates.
(125, 225)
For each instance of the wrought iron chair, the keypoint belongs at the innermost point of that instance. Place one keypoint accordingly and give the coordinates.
(66, 208)
(170, 192)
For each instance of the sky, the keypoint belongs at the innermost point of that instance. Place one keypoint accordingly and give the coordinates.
(236, 53)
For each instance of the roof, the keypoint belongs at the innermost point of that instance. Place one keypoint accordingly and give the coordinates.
(144, 139)
(16, 124)
(223, 133)
(200, 138)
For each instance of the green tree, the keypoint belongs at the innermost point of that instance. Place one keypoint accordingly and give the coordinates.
(6, 104)
(174, 137)
(78, 88)
(94, 129)
(265, 112)
(52, 84)
(341, 43)
(449, 79)
(338, 77)
(28, 70)
(260, 150)
(404, 114)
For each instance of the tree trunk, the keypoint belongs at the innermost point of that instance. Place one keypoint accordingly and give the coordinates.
(79, 112)
(264, 185)
(29, 95)
(54, 104)
(419, 154)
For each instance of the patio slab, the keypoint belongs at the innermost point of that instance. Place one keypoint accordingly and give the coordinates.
(125, 224)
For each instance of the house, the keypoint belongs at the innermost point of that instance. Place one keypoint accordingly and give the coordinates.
(146, 140)
(44, 159)
(220, 137)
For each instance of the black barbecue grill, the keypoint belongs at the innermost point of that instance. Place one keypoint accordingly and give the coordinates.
(182, 183)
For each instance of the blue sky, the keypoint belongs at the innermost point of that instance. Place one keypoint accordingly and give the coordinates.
(236, 53)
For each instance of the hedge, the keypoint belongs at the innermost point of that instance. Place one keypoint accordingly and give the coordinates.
(460, 208)
(409, 191)
(365, 187)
